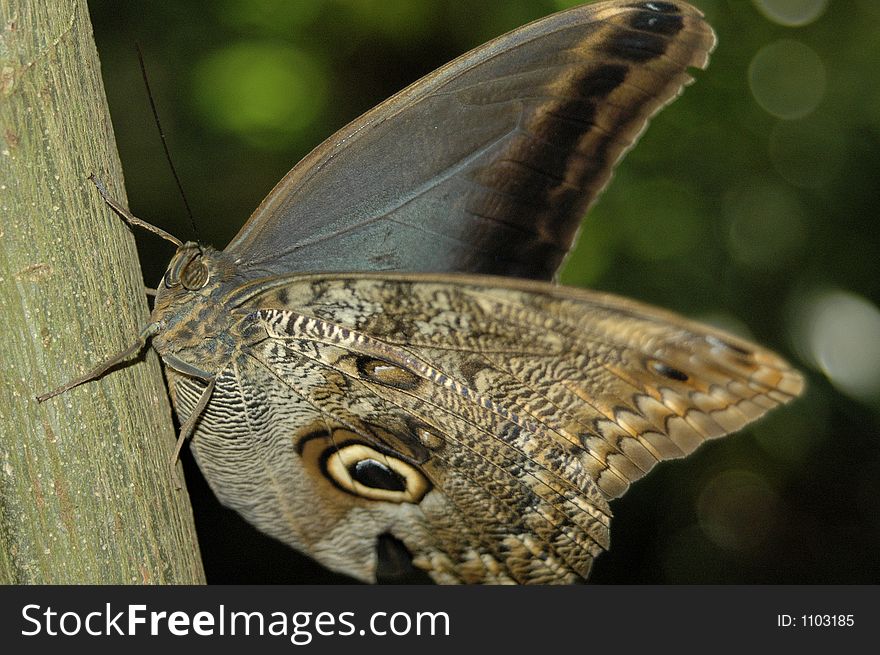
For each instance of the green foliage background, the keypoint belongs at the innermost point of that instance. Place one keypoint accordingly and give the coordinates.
(724, 211)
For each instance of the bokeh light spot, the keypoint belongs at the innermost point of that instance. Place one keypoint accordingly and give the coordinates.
(791, 13)
(871, 8)
(737, 510)
(787, 79)
(840, 333)
(766, 225)
(263, 92)
(280, 17)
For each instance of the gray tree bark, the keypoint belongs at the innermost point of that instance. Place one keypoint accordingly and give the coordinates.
(86, 494)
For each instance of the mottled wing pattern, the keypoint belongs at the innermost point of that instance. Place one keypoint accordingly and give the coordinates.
(488, 164)
(485, 423)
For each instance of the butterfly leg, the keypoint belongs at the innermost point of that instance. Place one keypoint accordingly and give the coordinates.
(189, 424)
(133, 350)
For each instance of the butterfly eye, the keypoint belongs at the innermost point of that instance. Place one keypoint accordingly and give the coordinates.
(366, 472)
(187, 268)
(195, 274)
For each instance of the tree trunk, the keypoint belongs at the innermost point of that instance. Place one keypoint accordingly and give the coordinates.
(86, 494)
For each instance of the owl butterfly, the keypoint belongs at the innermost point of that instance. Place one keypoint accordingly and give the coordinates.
(447, 397)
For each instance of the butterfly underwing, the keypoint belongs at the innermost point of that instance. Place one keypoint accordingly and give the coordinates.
(381, 351)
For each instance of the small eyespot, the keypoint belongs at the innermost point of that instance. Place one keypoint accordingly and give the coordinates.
(669, 372)
(386, 373)
(668, 24)
(427, 437)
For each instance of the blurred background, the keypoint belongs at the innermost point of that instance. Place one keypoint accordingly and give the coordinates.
(749, 203)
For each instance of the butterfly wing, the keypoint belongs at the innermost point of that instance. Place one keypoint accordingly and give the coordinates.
(488, 164)
(484, 423)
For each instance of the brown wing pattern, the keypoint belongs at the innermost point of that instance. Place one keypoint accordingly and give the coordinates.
(493, 419)
(488, 164)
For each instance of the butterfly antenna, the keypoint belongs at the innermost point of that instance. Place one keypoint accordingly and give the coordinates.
(140, 56)
(130, 218)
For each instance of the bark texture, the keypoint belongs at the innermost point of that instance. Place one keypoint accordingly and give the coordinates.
(86, 494)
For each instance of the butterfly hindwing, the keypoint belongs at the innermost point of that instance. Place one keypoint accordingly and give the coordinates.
(484, 423)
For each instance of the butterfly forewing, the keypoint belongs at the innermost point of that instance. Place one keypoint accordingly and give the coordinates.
(488, 164)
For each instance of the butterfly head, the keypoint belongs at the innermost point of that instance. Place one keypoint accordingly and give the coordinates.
(190, 288)
(188, 270)
(195, 270)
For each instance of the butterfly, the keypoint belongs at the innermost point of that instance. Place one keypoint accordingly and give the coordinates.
(381, 354)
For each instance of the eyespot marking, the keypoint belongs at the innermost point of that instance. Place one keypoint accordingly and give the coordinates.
(376, 475)
(386, 373)
(394, 563)
(364, 471)
(299, 442)
(667, 24)
(668, 371)
(427, 437)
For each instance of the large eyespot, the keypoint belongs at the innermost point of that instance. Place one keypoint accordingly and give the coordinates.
(364, 471)
(194, 275)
